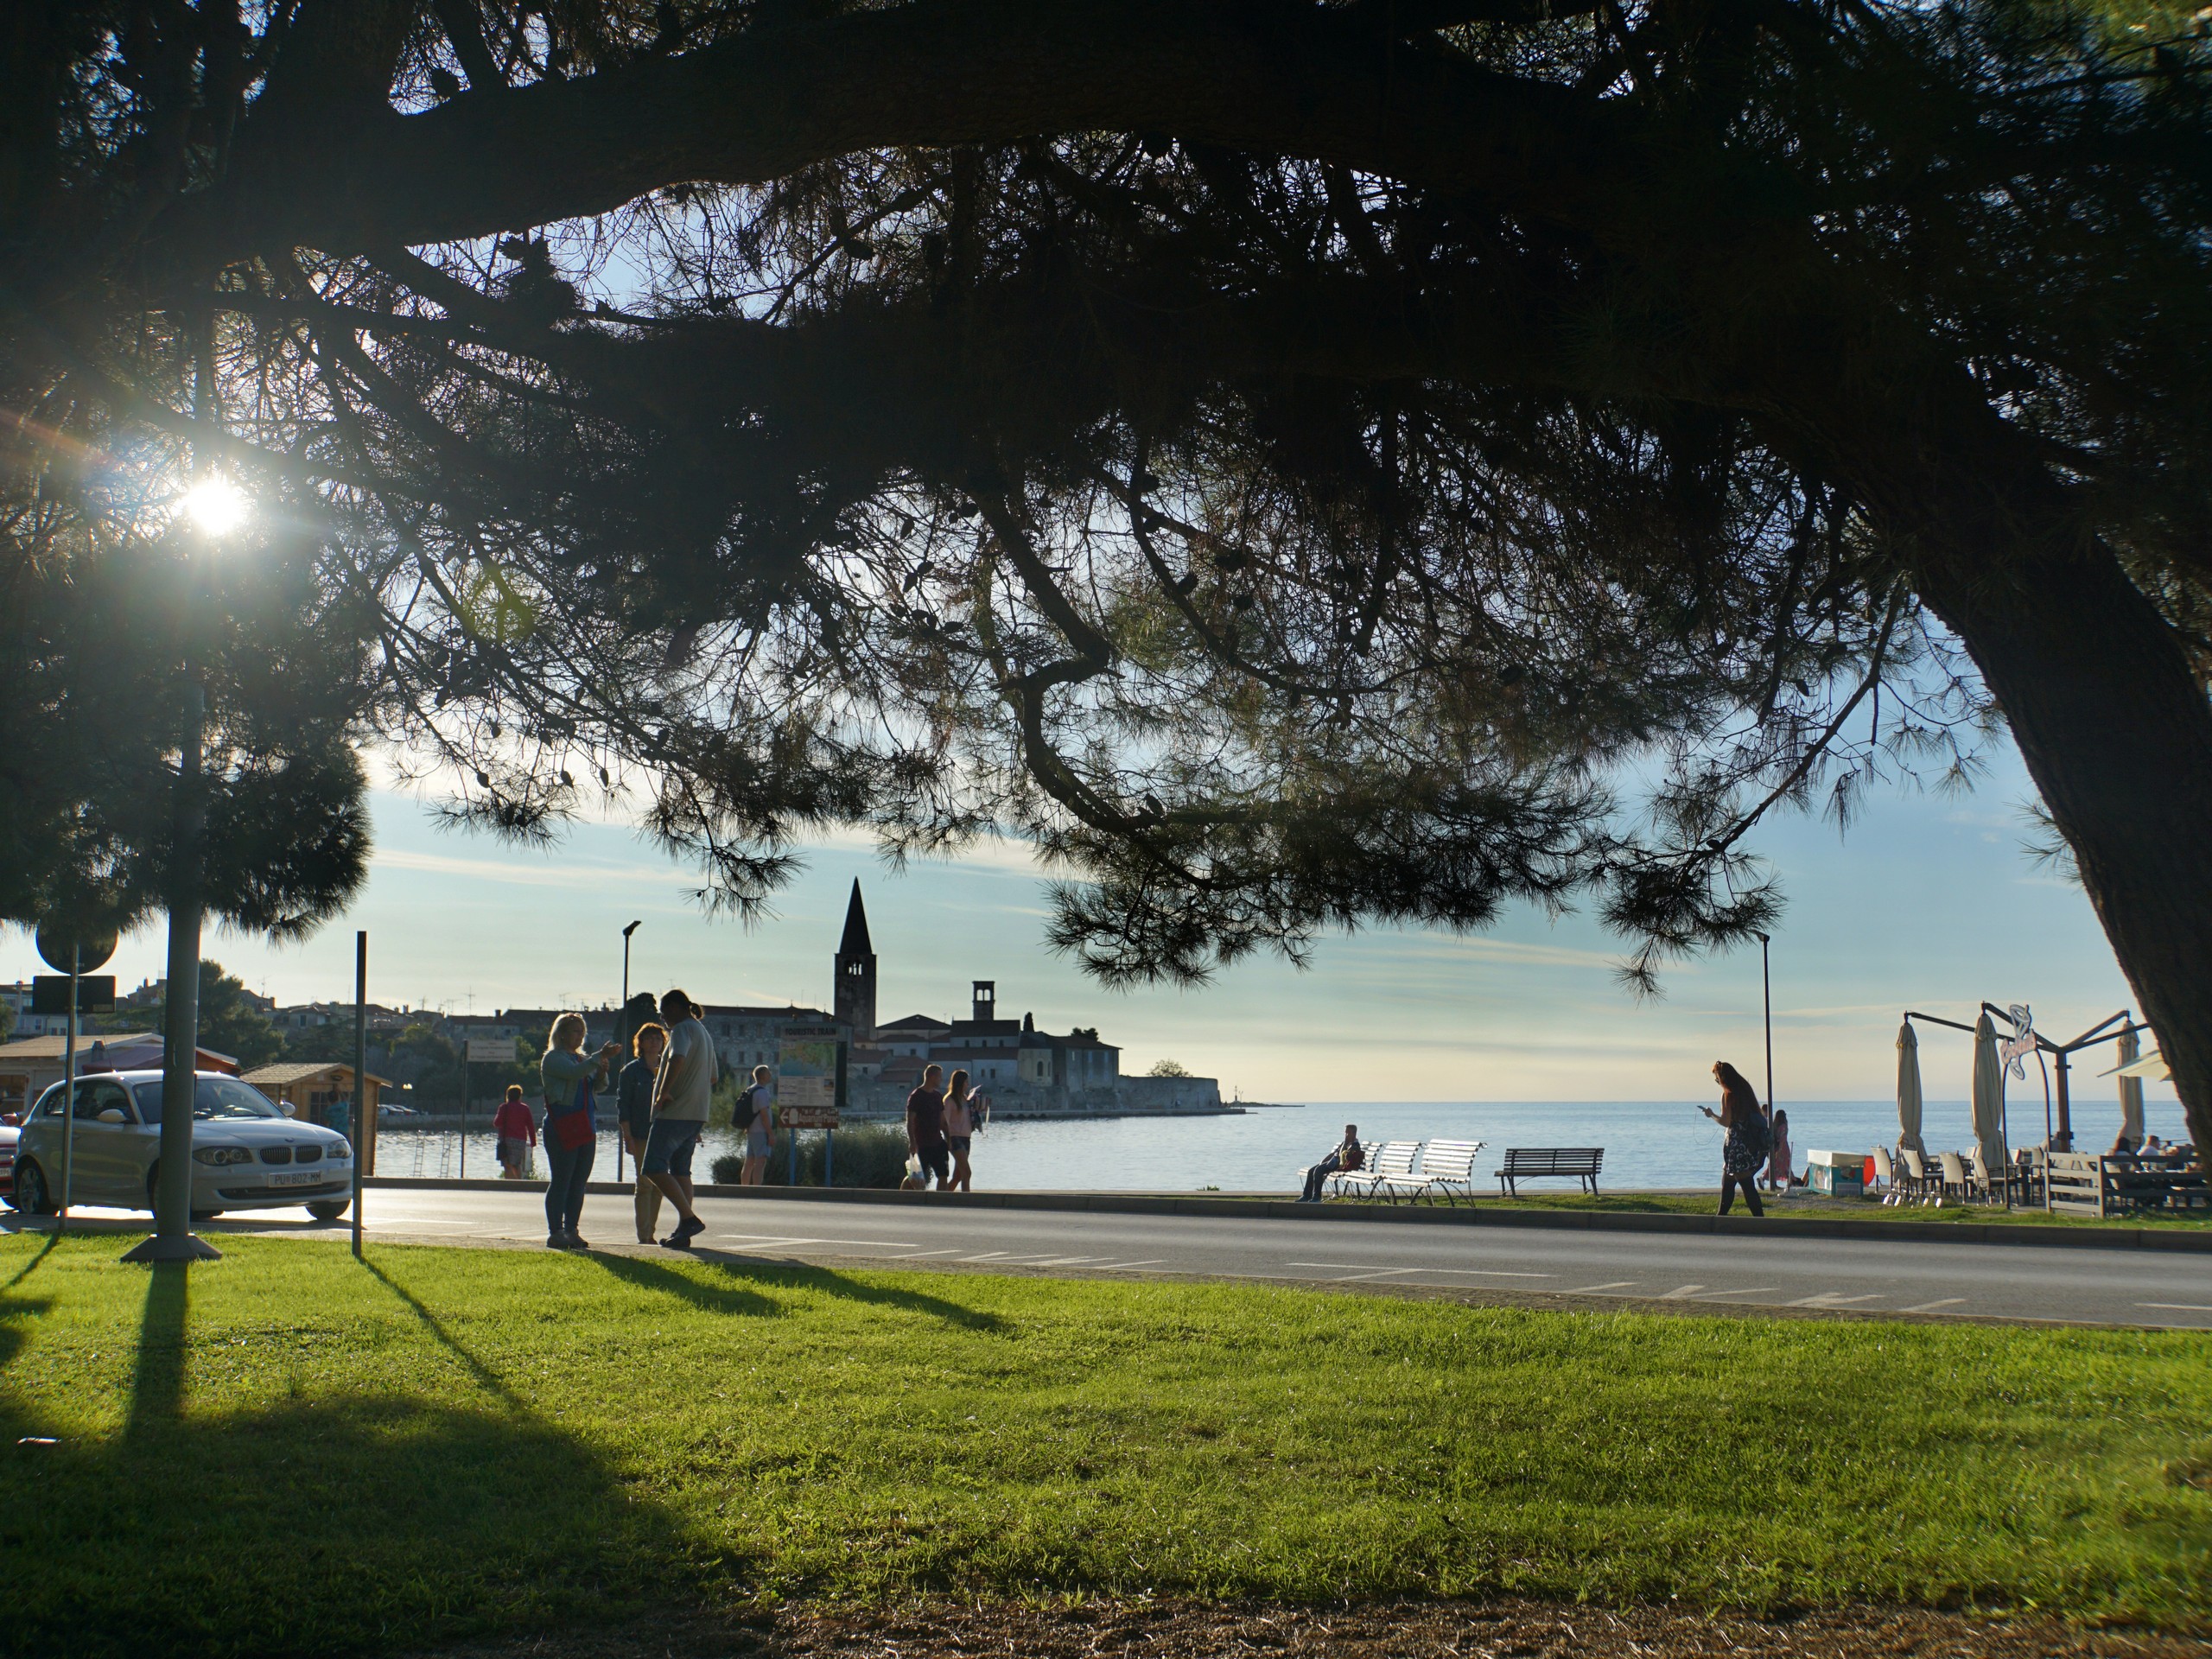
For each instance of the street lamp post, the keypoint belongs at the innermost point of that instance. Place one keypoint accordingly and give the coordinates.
(1766, 1001)
(622, 1032)
(216, 507)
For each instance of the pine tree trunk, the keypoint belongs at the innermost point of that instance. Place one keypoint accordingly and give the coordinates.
(2118, 736)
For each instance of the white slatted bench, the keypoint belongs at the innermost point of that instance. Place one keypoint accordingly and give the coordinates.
(1524, 1162)
(1448, 1168)
(1394, 1161)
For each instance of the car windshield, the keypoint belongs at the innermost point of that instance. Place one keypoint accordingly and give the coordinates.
(224, 1097)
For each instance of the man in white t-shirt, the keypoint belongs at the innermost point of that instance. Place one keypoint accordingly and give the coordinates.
(682, 1095)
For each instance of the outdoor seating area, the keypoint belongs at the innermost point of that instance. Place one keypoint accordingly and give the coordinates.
(1421, 1171)
(1526, 1163)
(2128, 1184)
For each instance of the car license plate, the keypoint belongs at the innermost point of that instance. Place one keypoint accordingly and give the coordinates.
(310, 1178)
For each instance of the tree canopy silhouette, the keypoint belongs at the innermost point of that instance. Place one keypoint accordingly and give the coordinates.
(1302, 463)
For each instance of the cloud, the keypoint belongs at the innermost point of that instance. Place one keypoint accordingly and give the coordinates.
(564, 873)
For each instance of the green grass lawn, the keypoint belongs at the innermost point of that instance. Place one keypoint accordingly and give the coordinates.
(352, 1456)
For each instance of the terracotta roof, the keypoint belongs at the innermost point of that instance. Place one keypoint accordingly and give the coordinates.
(51, 1048)
(299, 1071)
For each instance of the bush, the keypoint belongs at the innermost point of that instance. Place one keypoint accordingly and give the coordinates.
(867, 1154)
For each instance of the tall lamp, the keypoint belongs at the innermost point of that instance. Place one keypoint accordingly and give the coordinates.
(1766, 1001)
(622, 1035)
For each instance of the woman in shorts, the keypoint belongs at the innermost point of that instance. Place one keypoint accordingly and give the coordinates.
(959, 1130)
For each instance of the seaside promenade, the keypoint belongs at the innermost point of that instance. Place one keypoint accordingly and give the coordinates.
(1775, 1269)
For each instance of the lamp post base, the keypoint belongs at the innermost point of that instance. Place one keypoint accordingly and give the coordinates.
(190, 1247)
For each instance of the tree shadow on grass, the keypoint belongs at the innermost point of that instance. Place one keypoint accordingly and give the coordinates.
(318, 1526)
(326, 1528)
(730, 1288)
(485, 1376)
(31, 1266)
(157, 1375)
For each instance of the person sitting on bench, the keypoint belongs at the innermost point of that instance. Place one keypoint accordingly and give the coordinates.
(1350, 1155)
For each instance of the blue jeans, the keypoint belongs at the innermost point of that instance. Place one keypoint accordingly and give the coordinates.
(1319, 1174)
(564, 1194)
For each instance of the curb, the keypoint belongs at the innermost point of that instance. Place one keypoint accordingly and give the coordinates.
(1494, 1213)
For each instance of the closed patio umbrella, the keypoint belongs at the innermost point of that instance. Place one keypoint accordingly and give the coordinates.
(1989, 1097)
(1908, 1090)
(2130, 1093)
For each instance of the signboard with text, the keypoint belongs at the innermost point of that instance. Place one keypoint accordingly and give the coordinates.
(50, 993)
(491, 1051)
(809, 1077)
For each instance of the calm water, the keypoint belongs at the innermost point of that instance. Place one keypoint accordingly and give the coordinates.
(1648, 1143)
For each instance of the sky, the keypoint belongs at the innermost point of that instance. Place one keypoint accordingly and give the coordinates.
(1929, 904)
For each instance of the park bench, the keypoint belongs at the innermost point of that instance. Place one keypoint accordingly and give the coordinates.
(1446, 1167)
(1522, 1163)
(1392, 1161)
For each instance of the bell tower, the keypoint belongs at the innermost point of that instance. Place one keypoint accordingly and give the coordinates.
(854, 1000)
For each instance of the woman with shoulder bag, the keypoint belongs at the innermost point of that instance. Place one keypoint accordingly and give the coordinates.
(1746, 1148)
(571, 1128)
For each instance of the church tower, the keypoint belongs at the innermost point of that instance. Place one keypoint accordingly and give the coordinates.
(855, 1000)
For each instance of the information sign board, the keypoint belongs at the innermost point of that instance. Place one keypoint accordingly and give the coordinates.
(50, 993)
(809, 1077)
(491, 1051)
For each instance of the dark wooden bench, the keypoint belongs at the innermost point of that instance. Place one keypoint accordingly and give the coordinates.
(1524, 1162)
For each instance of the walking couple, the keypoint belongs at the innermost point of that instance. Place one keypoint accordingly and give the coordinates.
(941, 1124)
(662, 1100)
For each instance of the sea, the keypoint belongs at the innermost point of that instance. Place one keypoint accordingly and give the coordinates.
(1650, 1144)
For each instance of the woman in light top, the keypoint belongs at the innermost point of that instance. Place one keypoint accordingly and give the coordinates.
(571, 1128)
(961, 1108)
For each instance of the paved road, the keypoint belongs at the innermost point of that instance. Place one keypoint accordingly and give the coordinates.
(1776, 1272)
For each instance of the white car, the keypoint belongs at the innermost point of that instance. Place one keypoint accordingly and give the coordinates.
(247, 1152)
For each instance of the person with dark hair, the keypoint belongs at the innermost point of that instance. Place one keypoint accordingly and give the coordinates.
(1349, 1155)
(514, 1132)
(682, 1095)
(634, 1107)
(960, 1109)
(925, 1127)
(1779, 1157)
(1742, 1116)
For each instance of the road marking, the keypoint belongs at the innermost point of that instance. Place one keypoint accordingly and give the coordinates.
(1948, 1301)
(988, 1255)
(1115, 1267)
(1065, 1261)
(1363, 1267)
(2176, 1308)
(1752, 1290)
(1618, 1284)
(1832, 1298)
(783, 1238)
(1680, 1291)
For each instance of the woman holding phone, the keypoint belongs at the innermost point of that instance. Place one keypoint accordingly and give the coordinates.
(1741, 1115)
(571, 1128)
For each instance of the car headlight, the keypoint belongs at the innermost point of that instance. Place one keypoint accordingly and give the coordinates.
(341, 1150)
(220, 1155)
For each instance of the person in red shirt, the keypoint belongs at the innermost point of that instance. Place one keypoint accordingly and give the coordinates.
(517, 1132)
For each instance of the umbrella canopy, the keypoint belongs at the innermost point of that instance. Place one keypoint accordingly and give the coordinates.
(1908, 1089)
(1989, 1097)
(2151, 1065)
(2130, 1093)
